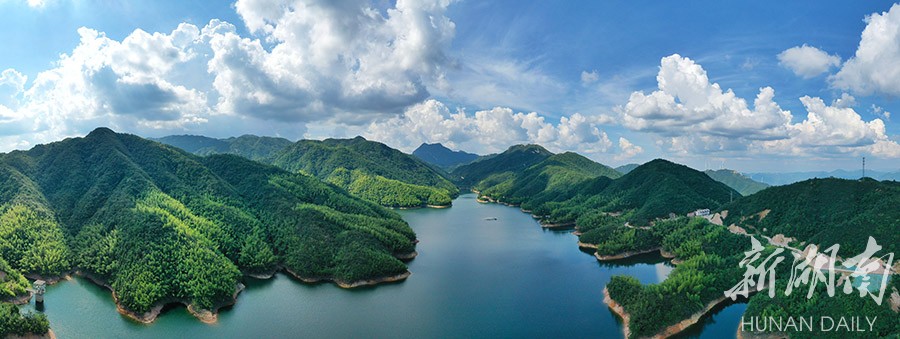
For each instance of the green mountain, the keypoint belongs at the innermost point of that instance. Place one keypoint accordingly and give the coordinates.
(650, 191)
(443, 157)
(367, 169)
(515, 159)
(825, 212)
(370, 170)
(160, 225)
(548, 180)
(249, 146)
(737, 181)
(624, 169)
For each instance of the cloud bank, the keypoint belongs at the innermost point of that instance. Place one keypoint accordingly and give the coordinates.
(694, 116)
(490, 130)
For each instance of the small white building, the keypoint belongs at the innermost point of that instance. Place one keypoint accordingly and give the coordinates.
(699, 213)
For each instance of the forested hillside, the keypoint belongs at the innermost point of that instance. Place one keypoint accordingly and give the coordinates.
(652, 190)
(161, 225)
(367, 169)
(825, 212)
(549, 180)
(515, 159)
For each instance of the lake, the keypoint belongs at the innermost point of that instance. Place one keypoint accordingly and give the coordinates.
(473, 278)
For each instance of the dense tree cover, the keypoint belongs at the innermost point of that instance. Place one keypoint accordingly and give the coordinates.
(370, 170)
(739, 182)
(886, 325)
(30, 238)
(650, 191)
(554, 177)
(611, 237)
(160, 224)
(515, 159)
(14, 323)
(367, 169)
(12, 283)
(443, 157)
(709, 255)
(825, 212)
(387, 192)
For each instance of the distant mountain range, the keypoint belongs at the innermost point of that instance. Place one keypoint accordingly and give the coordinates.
(737, 181)
(443, 157)
(249, 146)
(785, 178)
(624, 169)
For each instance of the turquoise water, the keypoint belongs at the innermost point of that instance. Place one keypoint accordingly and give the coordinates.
(472, 278)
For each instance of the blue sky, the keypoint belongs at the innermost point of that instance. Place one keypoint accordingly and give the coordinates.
(475, 75)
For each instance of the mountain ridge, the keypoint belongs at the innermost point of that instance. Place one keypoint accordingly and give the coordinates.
(439, 155)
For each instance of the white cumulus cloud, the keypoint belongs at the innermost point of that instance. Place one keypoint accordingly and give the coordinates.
(627, 149)
(875, 67)
(686, 102)
(305, 61)
(693, 116)
(330, 57)
(807, 61)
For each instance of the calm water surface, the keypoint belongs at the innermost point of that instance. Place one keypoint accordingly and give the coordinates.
(473, 278)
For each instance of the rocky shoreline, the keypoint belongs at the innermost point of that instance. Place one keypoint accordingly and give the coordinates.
(559, 225)
(211, 316)
(350, 284)
(407, 256)
(48, 335)
(19, 299)
(205, 316)
(624, 255)
(422, 206)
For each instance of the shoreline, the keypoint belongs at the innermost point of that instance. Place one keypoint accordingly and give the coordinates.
(626, 254)
(558, 225)
(418, 207)
(670, 330)
(618, 309)
(351, 284)
(211, 316)
(406, 256)
(587, 245)
(48, 335)
(20, 299)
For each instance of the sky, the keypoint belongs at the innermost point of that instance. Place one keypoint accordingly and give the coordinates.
(763, 86)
